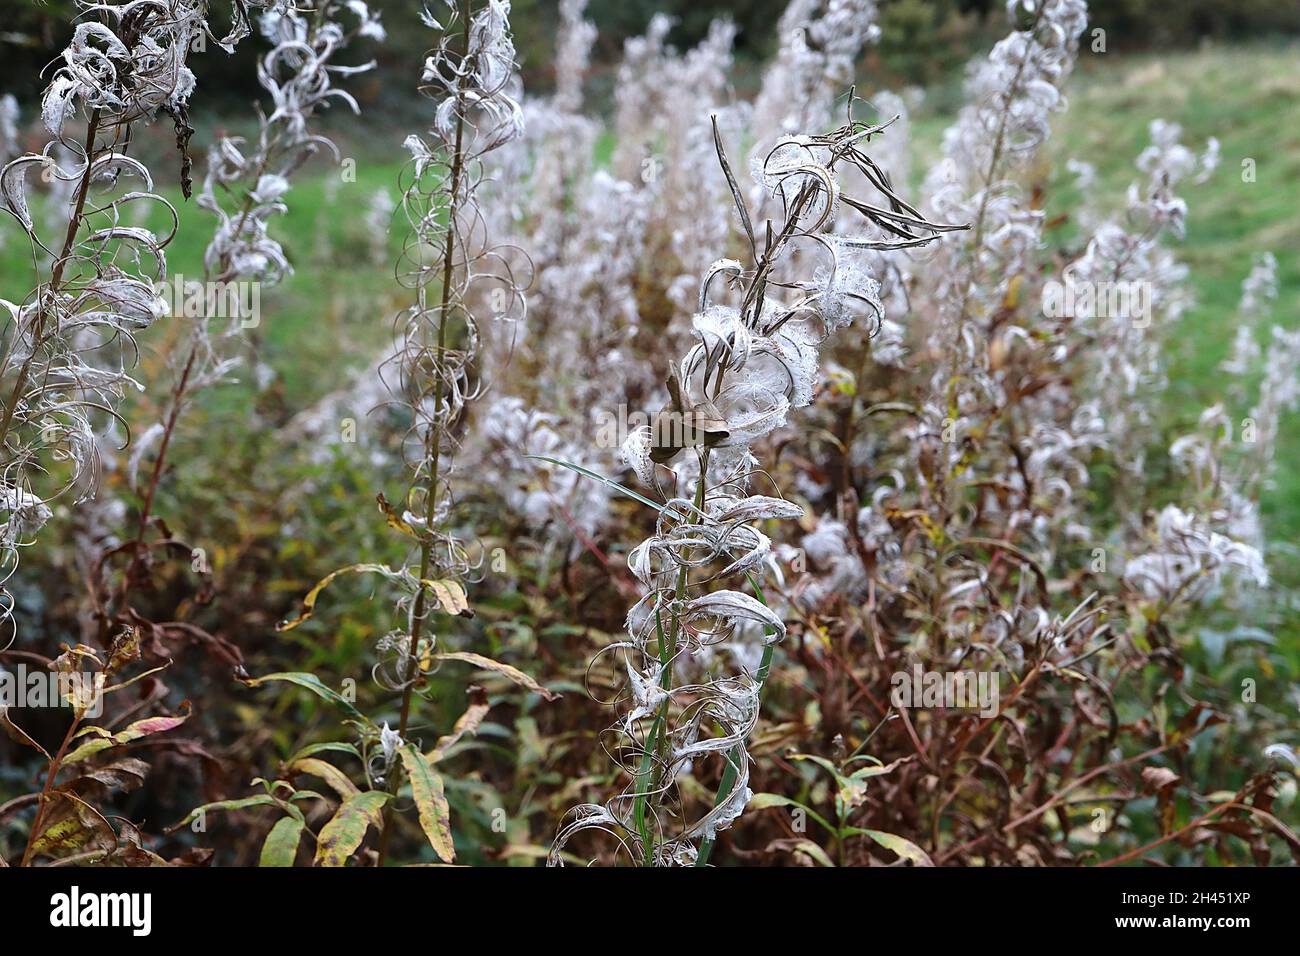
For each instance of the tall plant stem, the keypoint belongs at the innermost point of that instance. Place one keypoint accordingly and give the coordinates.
(178, 397)
(977, 239)
(146, 507)
(269, 149)
(169, 429)
(433, 437)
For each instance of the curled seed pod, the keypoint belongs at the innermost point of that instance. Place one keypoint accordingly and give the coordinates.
(71, 341)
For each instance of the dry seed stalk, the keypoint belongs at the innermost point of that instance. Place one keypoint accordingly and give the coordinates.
(468, 74)
(752, 364)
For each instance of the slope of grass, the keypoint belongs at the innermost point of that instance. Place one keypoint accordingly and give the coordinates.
(1247, 98)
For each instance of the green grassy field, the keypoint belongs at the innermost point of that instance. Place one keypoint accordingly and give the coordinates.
(1247, 98)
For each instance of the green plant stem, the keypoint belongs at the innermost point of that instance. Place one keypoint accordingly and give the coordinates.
(732, 770)
(667, 651)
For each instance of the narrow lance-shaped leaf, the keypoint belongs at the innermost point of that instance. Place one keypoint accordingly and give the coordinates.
(467, 723)
(340, 837)
(141, 728)
(314, 684)
(505, 670)
(309, 600)
(281, 846)
(904, 848)
(430, 802)
(242, 803)
(332, 775)
(607, 482)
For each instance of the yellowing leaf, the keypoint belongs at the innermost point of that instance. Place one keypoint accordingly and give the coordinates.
(72, 824)
(309, 601)
(1012, 297)
(505, 670)
(340, 837)
(430, 802)
(904, 848)
(811, 849)
(337, 780)
(394, 520)
(450, 596)
(468, 723)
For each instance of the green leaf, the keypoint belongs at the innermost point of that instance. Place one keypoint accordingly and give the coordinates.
(243, 803)
(332, 746)
(281, 844)
(876, 771)
(430, 802)
(340, 837)
(607, 482)
(821, 762)
(314, 684)
(762, 801)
